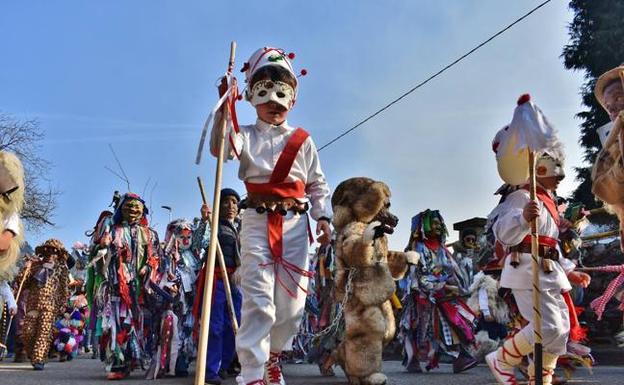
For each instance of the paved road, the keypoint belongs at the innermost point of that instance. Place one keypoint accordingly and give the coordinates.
(87, 371)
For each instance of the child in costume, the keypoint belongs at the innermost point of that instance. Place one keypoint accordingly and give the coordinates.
(512, 230)
(47, 281)
(69, 333)
(124, 265)
(281, 170)
(183, 247)
(436, 319)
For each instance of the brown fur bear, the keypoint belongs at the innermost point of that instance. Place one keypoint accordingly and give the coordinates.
(361, 220)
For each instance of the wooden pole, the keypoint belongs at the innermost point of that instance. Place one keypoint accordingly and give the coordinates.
(224, 275)
(597, 236)
(202, 347)
(537, 306)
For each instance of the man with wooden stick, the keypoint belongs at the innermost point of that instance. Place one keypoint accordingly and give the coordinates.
(513, 230)
(281, 170)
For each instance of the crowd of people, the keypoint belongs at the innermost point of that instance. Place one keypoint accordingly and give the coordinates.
(135, 301)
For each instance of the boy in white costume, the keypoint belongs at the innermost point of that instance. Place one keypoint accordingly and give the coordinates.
(281, 170)
(512, 230)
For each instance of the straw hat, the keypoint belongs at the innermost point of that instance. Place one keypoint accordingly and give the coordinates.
(604, 80)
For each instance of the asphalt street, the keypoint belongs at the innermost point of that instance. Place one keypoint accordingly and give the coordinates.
(83, 370)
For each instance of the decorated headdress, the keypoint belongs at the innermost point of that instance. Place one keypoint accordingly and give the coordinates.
(175, 228)
(52, 246)
(117, 217)
(421, 224)
(267, 90)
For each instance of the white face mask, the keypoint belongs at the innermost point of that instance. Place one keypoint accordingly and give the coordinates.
(265, 91)
(547, 166)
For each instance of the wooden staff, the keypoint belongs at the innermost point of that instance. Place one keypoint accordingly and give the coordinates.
(537, 309)
(592, 269)
(224, 275)
(606, 234)
(202, 348)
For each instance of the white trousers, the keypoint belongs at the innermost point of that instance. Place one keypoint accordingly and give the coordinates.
(270, 316)
(555, 319)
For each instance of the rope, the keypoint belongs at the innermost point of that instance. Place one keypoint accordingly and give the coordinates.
(444, 69)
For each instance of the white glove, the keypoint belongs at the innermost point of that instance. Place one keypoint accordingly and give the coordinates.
(412, 257)
(369, 233)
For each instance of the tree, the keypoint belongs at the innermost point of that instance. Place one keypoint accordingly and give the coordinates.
(596, 45)
(23, 138)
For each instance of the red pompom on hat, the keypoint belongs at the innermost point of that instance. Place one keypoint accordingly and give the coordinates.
(291, 55)
(523, 99)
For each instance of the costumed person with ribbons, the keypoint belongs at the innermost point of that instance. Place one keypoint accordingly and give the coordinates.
(435, 318)
(281, 170)
(465, 252)
(221, 341)
(47, 281)
(513, 231)
(123, 271)
(183, 247)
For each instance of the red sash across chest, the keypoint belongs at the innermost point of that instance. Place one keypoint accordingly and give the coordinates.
(544, 197)
(278, 187)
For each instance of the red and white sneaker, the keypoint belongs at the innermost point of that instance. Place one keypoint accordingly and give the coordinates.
(504, 374)
(273, 370)
(240, 381)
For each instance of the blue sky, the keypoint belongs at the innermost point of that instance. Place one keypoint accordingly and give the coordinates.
(140, 75)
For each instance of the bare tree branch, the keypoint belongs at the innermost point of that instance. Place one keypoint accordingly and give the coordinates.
(23, 137)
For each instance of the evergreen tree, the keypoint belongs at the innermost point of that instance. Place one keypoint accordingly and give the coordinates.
(596, 45)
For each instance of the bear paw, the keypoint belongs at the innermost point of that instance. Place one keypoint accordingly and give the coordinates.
(370, 234)
(412, 257)
(376, 379)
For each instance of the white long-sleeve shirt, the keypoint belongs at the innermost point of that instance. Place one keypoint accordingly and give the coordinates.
(511, 228)
(7, 295)
(260, 146)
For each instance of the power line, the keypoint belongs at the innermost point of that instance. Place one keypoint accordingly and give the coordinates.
(497, 34)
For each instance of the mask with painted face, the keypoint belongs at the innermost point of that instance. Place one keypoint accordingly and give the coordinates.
(265, 91)
(548, 166)
(184, 239)
(132, 211)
